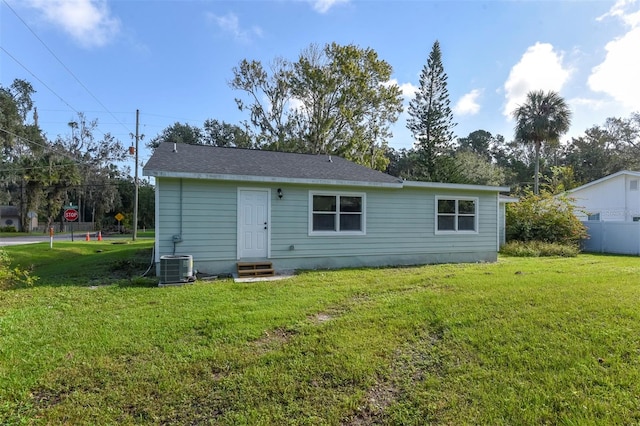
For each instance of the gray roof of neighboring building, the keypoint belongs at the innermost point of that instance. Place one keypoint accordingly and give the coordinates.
(212, 162)
(6, 211)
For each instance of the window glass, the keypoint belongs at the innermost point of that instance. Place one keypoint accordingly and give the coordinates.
(446, 223)
(446, 206)
(324, 203)
(351, 204)
(466, 223)
(324, 222)
(337, 213)
(456, 215)
(350, 222)
(466, 207)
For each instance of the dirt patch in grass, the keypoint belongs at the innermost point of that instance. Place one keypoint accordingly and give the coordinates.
(273, 339)
(321, 317)
(338, 310)
(411, 364)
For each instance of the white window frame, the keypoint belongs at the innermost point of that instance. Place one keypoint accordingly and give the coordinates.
(338, 194)
(594, 217)
(456, 215)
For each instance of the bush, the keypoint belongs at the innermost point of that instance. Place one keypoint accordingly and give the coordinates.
(544, 218)
(539, 249)
(9, 228)
(13, 277)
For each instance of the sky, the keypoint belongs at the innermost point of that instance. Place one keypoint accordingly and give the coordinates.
(173, 60)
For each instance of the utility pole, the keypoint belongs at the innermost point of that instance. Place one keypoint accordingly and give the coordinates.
(135, 193)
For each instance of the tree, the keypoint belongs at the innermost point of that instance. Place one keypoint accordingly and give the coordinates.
(625, 134)
(479, 142)
(544, 217)
(219, 133)
(95, 157)
(431, 119)
(269, 98)
(593, 155)
(543, 118)
(178, 133)
(334, 100)
(476, 169)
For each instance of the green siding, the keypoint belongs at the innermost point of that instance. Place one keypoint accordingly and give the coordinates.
(400, 225)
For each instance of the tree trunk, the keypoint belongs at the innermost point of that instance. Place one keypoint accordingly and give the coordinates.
(536, 188)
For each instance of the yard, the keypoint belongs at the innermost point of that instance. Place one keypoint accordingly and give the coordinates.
(521, 341)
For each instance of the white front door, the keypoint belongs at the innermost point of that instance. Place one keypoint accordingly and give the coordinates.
(253, 223)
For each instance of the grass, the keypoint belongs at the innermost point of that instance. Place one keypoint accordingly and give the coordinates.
(522, 341)
(140, 234)
(539, 249)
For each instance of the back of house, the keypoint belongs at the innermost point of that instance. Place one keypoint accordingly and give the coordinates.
(230, 206)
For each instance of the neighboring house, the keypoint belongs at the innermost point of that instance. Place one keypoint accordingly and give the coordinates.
(300, 211)
(612, 198)
(610, 209)
(9, 216)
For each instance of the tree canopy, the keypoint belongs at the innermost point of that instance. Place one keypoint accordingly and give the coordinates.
(331, 100)
(431, 119)
(543, 118)
(41, 175)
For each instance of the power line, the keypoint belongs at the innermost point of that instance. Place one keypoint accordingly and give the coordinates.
(64, 66)
(37, 78)
(51, 149)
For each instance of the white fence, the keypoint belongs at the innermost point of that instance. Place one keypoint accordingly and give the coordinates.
(612, 237)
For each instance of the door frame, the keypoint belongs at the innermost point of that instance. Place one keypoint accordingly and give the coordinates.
(239, 222)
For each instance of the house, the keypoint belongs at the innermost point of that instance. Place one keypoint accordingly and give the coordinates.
(301, 211)
(612, 198)
(610, 209)
(9, 216)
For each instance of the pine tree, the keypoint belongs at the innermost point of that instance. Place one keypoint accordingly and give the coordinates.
(431, 119)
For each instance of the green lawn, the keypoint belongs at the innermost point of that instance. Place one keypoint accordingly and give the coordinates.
(522, 341)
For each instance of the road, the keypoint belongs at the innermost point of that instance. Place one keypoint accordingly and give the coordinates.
(31, 239)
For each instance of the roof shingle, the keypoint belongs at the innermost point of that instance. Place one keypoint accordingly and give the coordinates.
(211, 160)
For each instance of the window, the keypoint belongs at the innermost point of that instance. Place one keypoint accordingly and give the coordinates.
(633, 185)
(456, 215)
(593, 216)
(333, 213)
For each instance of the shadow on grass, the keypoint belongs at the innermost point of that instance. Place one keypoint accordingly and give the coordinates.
(85, 263)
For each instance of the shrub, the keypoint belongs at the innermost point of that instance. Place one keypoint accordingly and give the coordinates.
(9, 228)
(13, 277)
(539, 249)
(545, 218)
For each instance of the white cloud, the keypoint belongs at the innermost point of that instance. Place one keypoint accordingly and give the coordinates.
(468, 104)
(323, 6)
(617, 75)
(408, 90)
(540, 68)
(230, 23)
(89, 22)
(620, 10)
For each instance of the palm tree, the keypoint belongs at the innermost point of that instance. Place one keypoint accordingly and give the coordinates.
(544, 117)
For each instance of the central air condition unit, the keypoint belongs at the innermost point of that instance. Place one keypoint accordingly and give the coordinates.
(176, 269)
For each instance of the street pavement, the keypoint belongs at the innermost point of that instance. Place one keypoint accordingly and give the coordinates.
(31, 239)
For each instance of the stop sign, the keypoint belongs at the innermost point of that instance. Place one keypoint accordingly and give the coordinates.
(71, 215)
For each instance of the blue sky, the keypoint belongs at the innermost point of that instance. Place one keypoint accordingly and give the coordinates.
(172, 60)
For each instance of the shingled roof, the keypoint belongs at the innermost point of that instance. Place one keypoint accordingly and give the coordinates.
(209, 162)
